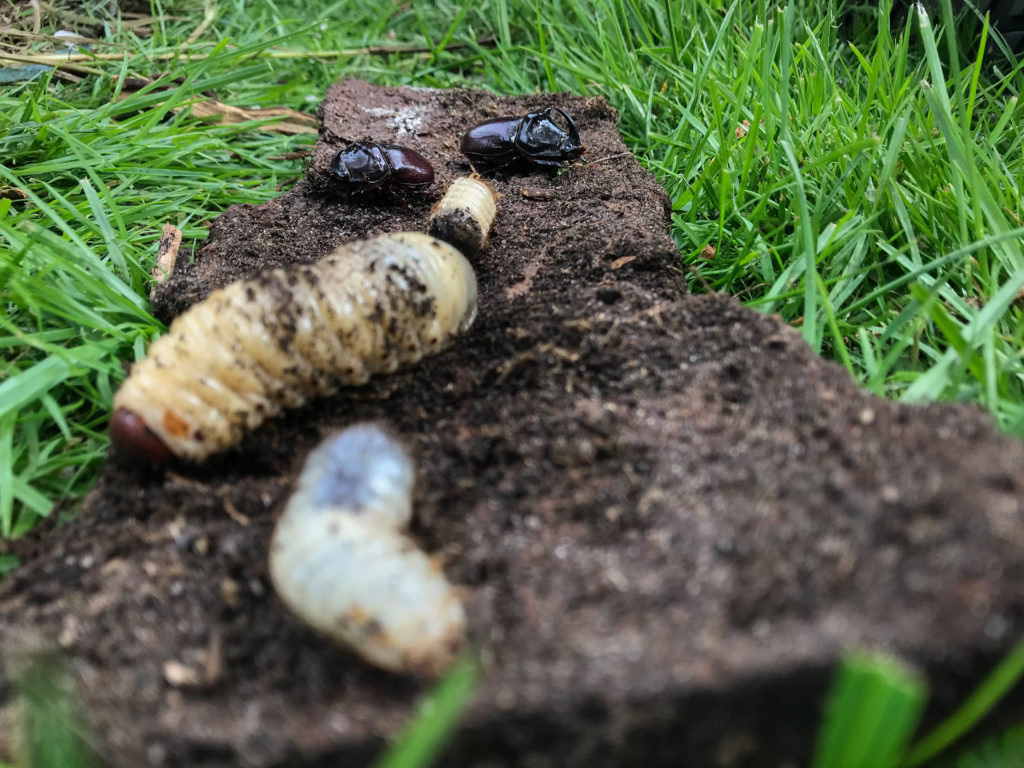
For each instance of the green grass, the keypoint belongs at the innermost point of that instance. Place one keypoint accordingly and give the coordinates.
(873, 709)
(876, 703)
(864, 186)
(862, 182)
(51, 731)
(421, 741)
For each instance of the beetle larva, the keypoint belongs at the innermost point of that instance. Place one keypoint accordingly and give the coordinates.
(276, 340)
(340, 563)
(464, 215)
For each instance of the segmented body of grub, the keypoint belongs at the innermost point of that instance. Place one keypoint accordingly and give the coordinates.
(274, 341)
(340, 563)
(463, 217)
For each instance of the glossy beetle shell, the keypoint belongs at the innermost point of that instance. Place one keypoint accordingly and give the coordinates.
(492, 141)
(540, 140)
(369, 163)
(410, 167)
(534, 137)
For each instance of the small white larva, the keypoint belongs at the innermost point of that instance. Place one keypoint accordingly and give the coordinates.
(463, 217)
(339, 560)
(287, 335)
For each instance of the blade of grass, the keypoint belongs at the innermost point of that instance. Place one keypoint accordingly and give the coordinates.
(871, 714)
(993, 688)
(806, 246)
(420, 742)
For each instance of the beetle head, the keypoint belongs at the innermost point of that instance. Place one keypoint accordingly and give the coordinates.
(545, 141)
(361, 162)
(337, 166)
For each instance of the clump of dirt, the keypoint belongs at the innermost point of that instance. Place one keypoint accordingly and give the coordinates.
(668, 516)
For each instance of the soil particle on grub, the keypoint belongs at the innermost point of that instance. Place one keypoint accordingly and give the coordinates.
(668, 516)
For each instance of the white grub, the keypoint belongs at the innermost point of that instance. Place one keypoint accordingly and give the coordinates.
(287, 335)
(463, 217)
(339, 560)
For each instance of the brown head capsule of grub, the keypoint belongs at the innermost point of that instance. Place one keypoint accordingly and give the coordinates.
(134, 441)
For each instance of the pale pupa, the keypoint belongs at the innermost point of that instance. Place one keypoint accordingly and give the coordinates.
(340, 562)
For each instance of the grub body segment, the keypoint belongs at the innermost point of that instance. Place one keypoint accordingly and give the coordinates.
(340, 562)
(464, 215)
(275, 341)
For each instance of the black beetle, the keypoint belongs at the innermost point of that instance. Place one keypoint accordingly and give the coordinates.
(372, 164)
(534, 137)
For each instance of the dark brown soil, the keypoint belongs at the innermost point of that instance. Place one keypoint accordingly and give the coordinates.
(669, 517)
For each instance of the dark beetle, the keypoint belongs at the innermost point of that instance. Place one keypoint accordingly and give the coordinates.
(534, 137)
(372, 164)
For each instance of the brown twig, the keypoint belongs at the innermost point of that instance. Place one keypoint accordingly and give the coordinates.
(233, 511)
(136, 19)
(701, 279)
(60, 62)
(269, 53)
(67, 76)
(301, 154)
(37, 16)
(77, 40)
(609, 157)
(289, 120)
(166, 254)
(209, 14)
(540, 194)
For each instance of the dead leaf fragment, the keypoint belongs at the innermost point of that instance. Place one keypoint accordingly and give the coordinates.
(523, 286)
(537, 193)
(178, 675)
(707, 252)
(620, 263)
(292, 121)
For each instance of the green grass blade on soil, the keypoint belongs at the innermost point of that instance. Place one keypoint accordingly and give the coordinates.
(1007, 674)
(51, 732)
(420, 742)
(871, 714)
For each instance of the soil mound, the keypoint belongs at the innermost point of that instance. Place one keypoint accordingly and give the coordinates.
(669, 517)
